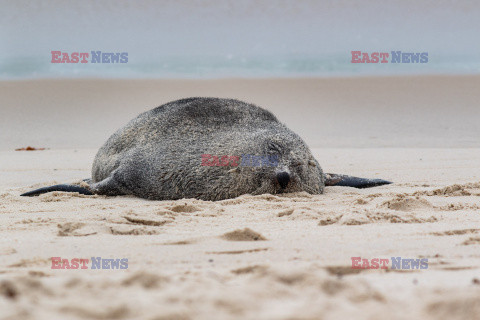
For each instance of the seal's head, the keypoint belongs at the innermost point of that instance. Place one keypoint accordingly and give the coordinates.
(296, 169)
(272, 161)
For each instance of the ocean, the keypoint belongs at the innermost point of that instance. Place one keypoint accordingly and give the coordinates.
(239, 39)
(195, 67)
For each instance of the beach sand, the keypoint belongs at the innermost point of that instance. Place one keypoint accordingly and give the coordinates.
(423, 111)
(253, 257)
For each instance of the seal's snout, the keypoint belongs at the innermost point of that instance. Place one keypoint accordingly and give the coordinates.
(283, 179)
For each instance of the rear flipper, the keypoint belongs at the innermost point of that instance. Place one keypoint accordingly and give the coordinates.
(332, 179)
(107, 187)
(58, 187)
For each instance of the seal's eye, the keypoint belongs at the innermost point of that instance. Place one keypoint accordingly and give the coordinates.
(296, 164)
(273, 147)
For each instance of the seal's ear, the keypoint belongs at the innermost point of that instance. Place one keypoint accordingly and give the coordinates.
(332, 179)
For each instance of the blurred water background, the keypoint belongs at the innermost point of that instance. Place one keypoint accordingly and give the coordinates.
(242, 39)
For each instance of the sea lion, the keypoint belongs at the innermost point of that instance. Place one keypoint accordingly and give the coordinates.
(158, 155)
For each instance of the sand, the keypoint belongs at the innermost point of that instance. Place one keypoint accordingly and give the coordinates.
(253, 257)
(422, 111)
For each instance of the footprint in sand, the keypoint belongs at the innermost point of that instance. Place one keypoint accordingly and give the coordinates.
(342, 270)
(69, 229)
(471, 240)
(184, 208)
(145, 279)
(178, 243)
(238, 251)
(455, 232)
(453, 190)
(8, 289)
(285, 212)
(128, 231)
(34, 262)
(359, 217)
(146, 222)
(407, 204)
(7, 251)
(243, 235)
(249, 269)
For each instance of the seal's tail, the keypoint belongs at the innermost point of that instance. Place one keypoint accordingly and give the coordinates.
(332, 179)
(58, 187)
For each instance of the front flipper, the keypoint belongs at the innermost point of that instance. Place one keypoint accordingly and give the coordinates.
(332, 179)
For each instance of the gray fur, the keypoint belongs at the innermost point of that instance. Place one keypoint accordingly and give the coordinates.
(157, 155)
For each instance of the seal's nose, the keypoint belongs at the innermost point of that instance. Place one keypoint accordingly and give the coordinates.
(283, 179)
